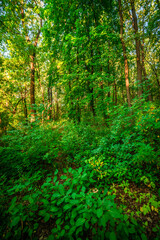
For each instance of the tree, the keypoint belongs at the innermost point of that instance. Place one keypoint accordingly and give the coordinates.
(124, 54)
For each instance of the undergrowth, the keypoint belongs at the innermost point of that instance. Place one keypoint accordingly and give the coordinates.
(83, 181)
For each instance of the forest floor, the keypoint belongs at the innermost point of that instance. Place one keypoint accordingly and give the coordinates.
(72, 182)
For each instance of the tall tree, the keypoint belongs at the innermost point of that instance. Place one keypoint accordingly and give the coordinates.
(138, 51)
(124, 53)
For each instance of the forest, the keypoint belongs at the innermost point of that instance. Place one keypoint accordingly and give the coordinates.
(79, 119)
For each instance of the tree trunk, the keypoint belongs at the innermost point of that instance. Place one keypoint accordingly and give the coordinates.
(42, 91)
(124, 54)
(25, 106)
(49, 117)
(57, 106)
(32, 88)
(115, 93)
(91, 89)
(139, 69)
(78, 110)
(145, 74)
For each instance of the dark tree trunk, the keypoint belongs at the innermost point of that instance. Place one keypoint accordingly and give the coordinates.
(145, 74)
(32, 88)
(25, 106)
(56, 106)
(91, 89)
(49, 117)
(124, 54)
(139, 69)
(78, 110)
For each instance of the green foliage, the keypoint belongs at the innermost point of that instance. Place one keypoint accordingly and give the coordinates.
(74, 208)
(26, 148)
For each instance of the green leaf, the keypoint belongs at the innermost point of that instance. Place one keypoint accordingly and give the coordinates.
(47, 217)
(63, 177)
(115, 213)
(67, 206)
(42, 212)
(87, 225)
(62, 233)
(55, 195)
(54, 209)
(45, 201)
(80, 221)
(83, 189)
(143, 236)
(51, 237)
(15, 221)
(112, 236)
(61, 189)
(64, 170)
(36, 225)
(67, 227)
(80, 170)
(73, 195)
(99, 212)
(55, 179)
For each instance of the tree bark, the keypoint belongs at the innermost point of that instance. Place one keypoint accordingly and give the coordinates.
(124, 54)
(32, 88)
(137, 40)
(25, 106)
(145, 74)
(32, 62)
(49, 117)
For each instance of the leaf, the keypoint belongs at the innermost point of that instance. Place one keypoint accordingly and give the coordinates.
(42, 212)
(55, 195)
(80, 221)
(54, 209)
(47, 217)
(62, 233)
(67, 206)
(63, 177)
(51, 237)
(45, 201)
(112, 236)
(73, 195)
(55, 173)
(15, 221)
(67, 227)
(36, 225)
(83, 189)
(55, 179)
(80, 170)
(61, 189)
(143, 236)
(87, 225)
(64, 170)
(115, 214)
(99, 212)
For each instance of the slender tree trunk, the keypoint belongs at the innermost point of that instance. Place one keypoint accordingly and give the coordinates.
(40, 84)
(124, 54)
(145, 74)
(78, 110)
(91, 89)
(115, 93)
(139, 69)
(49, 117)
(57, 105)
(25, 106)
(32, 88)
(71, 100)
(42, 91)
